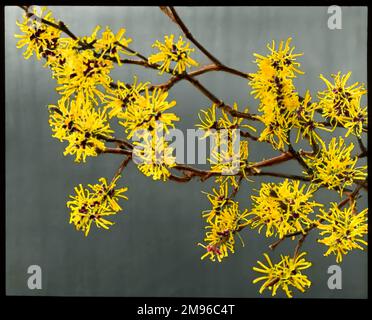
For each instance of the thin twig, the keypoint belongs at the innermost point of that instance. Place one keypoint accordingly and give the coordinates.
(276, 243)
(273, 161)
(283, 175)
(299, 245)
(122, 166)
(189, 36)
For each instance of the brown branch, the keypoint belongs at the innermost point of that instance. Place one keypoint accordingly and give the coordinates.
(299, 245)
(273, 161)
(136, 53)
(202, 70)
(218, 102)
(60, 26)
(168, 12)
(246, 134)
(190, 172)
(364, 184)
(298, 156)
(237, 187)
(116, 151)
(362, 146)
(116, 140)
(176, 78)
(351, 196)
(276, 243)
(172, 13)
(363, 154)
(122, 166)
(282, 175)
(179, 179)
(189, 36)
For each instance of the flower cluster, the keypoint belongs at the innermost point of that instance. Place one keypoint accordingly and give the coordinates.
(111, 45)
(343, 230)
(229, 159)
(305, 124)
(82, 72)
(78, 64)
(282, 208)
(81, 125)
(147, 113)
(218, 199)
(284, 274)
(153, 156)
(211, 123)
(40, 38)
(334, 167)
(222, 228)
(229, 155)
(273, 85)
(342, 104)
(122, 96)
(81, 67)
(95, 204)
(145, 120)
(170, 52)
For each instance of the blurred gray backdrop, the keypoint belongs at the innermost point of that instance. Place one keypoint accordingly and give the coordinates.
(151, 250)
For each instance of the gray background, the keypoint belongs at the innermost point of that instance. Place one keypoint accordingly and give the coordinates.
(151, 251)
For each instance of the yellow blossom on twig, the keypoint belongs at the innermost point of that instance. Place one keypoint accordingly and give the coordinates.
(288, 272)
(343, 230)
(282, 208)
(94, 205)
(335, 167)
(173, 52)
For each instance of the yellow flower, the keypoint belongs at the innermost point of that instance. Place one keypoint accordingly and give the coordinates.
(56, 60)
(281, 60)
(223, 228)
(284, 274)
(218, 200)
(211, 124)
(343, 230)
(176, 52)
(208, 120)
(305, 123)
(229, 122)
(334, 167)
(230, 155)
(147, 113)
(229, 159)
(63, 117)
(83, 72)
(276, 130)
(273, 85)
(40, 39)
(93, 206)
(81, 125)
(117, 99)
(282, 208)
(342, 104)
(153, 156)
(112, 45)
(109, 194)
